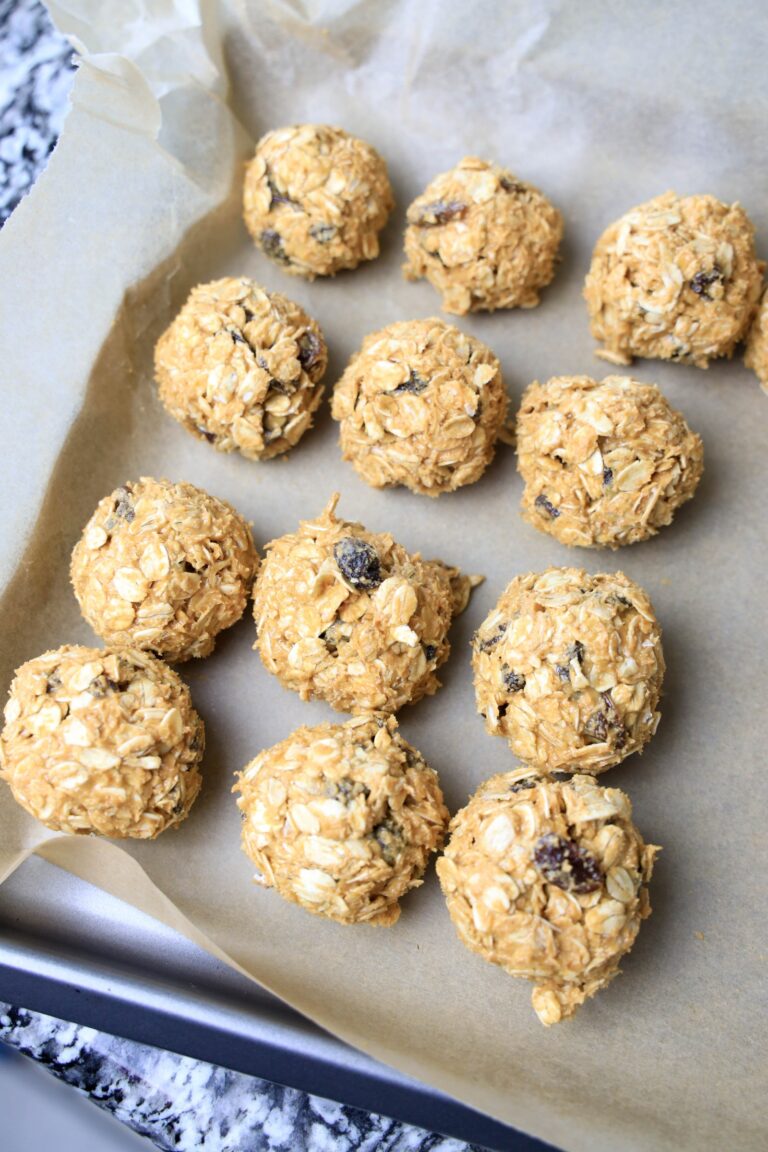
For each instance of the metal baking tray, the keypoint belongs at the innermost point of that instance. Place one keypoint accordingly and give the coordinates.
(69, 950)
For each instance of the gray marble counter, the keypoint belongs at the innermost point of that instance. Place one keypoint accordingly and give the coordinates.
(178, 1103)
(185, 1105)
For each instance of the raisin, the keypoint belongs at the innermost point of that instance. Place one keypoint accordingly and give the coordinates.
(430, 651)
(53, 681)
(332, 637)
(310, 349)
(703, 280)
(442, 212)
(272, 245)
(600, 724)
(547, 506)
(209, 436)
(566, 865)
(596, 727)
(563, 671)
(358, 562)
(346, 789)
(278, 197)
(491, 641)
(323, 233)
(415, 383)
(388, 835)
(123, 509)
(512, 681)
(575, 651)
(523, 785)
(607, 476)
(511, 185)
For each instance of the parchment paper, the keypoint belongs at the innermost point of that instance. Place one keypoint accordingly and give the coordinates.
(603, 106)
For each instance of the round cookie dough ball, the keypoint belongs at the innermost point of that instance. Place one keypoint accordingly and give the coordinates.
(165, 567)
(548, 880)
(421, 404)
(342, 819)
(102, 740)
(349, 616)
(676, 279)
(483, 239)
(756, 356)
(242, 368)
(604, 464)
(568, 668)
(316, 199)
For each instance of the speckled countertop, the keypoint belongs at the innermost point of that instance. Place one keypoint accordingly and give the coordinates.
(178, 1103)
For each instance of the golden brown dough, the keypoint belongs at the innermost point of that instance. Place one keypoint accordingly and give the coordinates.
(422, 405)
(342, 819)
(548, 880)
(675, 278)
(349, 616)
(316, 199)
(165, 567)
(242, 368)
(102, 740)
(483, 238)
(605, 463)
(569, 668)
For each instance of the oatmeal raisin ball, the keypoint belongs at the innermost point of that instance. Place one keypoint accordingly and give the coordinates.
(242, 368)
(483, 238)
(756, 356)
(548, 880)
(102, 740)
(675, 278)
(349, 616)
(421, 404)
(568, 668)
(316, 199)
(606, 463)
(165, 567)
(342, 819)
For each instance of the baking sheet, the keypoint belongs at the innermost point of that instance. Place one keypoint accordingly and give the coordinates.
(601, 106)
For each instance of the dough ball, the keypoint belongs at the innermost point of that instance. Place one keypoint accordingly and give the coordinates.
(756, 356)
(349, 616)
(483, 239)
(674, 279)
(342, 819)
(316, 199)
(604, 464)
(568, 668)
(164, 567)
(421, 404)
(242, 368)
(102, 740)
(547, 879)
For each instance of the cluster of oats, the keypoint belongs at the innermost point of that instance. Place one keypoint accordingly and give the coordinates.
(102, 741)
(604, 464)
(548, 880)
(568, 668)
(242, 368)
(342, 819)
(422, 405)
(164, 567)
(675, 278)
(316, 199)
(483, 238)
(756, 356)
(349, 616)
